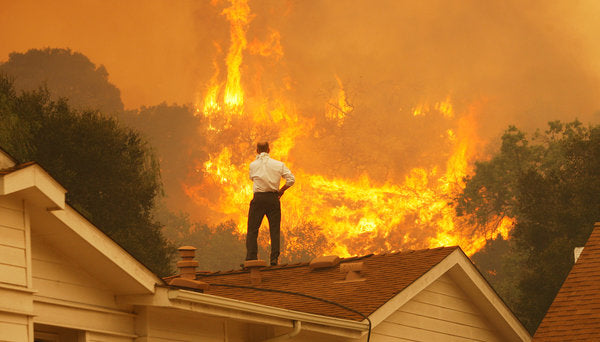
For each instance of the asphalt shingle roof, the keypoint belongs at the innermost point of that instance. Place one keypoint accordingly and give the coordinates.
(385, 276)
(575, 313)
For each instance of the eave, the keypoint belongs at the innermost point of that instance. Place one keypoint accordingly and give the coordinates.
(73, 235)
(167, 297)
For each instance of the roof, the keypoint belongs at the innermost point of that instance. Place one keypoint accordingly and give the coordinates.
(575, 312)
(62, 227)
(14, 168)
(385, 276)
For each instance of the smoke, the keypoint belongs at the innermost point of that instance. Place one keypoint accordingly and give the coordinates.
(523, 59)
(152, 50)
(521, 63)
(497, 63)
(532, 60)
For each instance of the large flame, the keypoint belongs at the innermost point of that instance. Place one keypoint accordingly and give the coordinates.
(354, 216)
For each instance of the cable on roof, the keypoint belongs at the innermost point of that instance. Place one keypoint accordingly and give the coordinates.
(303, 295)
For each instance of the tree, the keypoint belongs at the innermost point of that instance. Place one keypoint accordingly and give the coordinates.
(222, 247)
(175, 134)
(111, 174)
(218, 247)
(66, 74)
(549, 184)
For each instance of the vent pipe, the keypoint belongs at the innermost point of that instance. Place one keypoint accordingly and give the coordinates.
(187, 270)
(255, 266)
(187, 265)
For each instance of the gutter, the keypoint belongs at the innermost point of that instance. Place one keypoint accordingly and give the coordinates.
(353, 328)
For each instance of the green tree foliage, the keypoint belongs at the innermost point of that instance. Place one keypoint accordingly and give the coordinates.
(501, 264)
(110, 173)
(550, 184)
(218, 247)
(222, 247)
(66, 74)
(303, 243)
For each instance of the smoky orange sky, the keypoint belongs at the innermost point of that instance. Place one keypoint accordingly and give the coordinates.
(515, 62)
(530, 59)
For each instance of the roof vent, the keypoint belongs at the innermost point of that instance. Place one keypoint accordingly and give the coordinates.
(352, 270)
(187, 270)
(324, 262)
(255, 266)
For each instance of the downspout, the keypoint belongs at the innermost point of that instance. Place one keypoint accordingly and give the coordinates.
(288, 336)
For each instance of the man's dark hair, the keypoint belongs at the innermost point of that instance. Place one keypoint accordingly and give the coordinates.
(262, 147)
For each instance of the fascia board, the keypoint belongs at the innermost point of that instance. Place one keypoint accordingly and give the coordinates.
(36, 185)
(318, 323)
(476, 287)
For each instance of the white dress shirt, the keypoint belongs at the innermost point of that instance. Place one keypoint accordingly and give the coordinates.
(266, 173)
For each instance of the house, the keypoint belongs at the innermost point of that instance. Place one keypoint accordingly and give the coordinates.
(62, 279)
(574, 315)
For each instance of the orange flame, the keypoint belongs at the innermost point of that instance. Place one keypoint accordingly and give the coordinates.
(340, 107)
(211, 99)
(239, 17)
(445, 107)
(355, 216)
(272, 47)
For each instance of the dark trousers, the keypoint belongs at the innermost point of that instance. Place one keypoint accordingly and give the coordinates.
(263, 203)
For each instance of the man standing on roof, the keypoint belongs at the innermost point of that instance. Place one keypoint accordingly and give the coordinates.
(266, 173)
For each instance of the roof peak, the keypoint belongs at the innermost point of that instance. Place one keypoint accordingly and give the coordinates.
(307, 263)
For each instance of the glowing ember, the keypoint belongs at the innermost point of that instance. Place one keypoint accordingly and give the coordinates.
(354, 216)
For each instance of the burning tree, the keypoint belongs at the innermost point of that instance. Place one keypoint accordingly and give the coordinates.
(354, 202)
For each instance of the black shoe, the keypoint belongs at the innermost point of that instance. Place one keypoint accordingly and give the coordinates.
(273, 263)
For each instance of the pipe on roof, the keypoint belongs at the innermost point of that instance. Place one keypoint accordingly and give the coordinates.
(288, 336)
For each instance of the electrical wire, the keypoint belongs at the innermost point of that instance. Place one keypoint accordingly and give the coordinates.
(303, 295)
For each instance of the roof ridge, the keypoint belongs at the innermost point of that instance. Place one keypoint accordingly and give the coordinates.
(406, 251)
(242, 270)
(306, 263)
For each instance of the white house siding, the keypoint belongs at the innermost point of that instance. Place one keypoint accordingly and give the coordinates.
(90, 336)
(16, 302)
(441, 312)
(170, 325)
(13, 243)
(13, 327)
(311, 336)
(67, 296)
